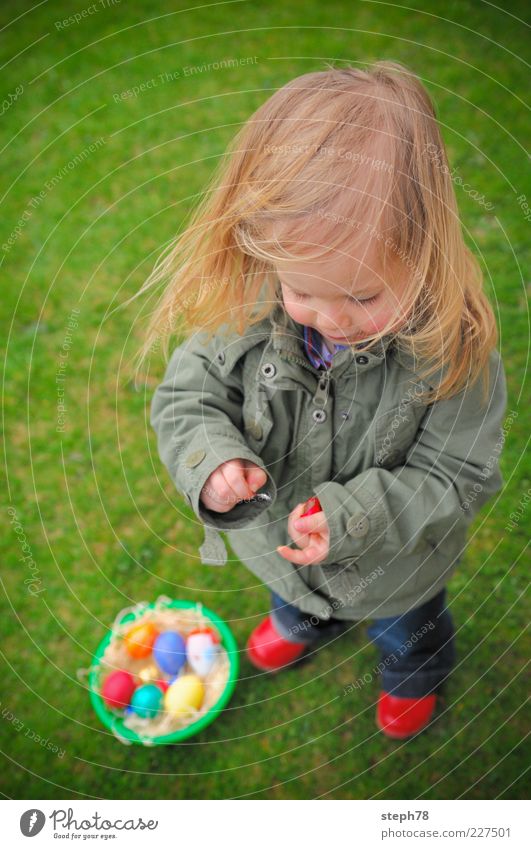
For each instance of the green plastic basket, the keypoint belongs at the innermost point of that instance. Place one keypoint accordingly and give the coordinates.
(114, 722)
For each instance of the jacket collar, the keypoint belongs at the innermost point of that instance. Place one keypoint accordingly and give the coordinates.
(287, 340)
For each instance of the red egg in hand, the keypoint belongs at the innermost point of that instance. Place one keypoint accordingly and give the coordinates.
(118, 688)
(313, 505)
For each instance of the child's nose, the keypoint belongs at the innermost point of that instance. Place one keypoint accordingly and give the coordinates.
(334, 319)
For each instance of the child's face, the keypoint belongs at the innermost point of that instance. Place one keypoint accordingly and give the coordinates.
(344, 298)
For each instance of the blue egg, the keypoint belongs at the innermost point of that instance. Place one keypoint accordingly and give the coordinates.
(169, 651)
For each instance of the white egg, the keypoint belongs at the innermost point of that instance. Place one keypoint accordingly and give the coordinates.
(201, 652)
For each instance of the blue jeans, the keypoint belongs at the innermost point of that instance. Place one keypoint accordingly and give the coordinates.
(417, 648)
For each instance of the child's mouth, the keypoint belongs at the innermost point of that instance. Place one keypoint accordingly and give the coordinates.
(344, 338)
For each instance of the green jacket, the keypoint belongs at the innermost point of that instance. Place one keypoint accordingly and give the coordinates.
(398, 481)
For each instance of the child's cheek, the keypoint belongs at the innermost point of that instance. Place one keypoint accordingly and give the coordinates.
(379, 319)
(296, 312)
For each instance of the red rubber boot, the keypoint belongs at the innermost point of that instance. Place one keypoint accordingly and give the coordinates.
(269, 651)
(401, 718)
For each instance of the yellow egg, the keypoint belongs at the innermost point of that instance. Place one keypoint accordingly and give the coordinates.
(149, 674)
(185, 693)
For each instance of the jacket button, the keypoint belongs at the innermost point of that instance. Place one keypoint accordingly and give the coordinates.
(195, 458)
(269, 370)
(220, 357)
(319, 416)
(362, 360)
(358, 526)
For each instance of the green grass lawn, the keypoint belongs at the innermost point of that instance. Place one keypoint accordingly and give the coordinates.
(94, 183)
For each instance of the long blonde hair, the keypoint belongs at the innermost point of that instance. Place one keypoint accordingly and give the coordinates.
(343, 147)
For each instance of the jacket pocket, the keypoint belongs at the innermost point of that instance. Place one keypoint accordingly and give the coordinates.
(394, 433)
(257, 419)
(439, 561)
(341, 581)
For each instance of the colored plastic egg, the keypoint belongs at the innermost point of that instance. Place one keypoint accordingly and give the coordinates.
(201, 650)
(169, 651)
(215, 638)
(313, 505)
(118, 688)
(162, 684)
(149, 674)
(139, 640)
(147, 700)
(185, 695)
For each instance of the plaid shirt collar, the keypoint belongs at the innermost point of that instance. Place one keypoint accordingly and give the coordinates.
(316, 349)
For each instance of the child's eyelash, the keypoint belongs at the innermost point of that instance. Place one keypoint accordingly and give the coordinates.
(364, 300)
(299, 297)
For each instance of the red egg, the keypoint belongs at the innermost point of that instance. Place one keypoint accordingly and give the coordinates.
(215, 637)
(162, 684)
(118, 688)
(313, 505)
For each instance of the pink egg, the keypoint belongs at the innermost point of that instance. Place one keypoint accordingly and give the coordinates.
(118, 688)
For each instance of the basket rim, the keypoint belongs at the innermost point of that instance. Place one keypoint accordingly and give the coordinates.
(115, 723)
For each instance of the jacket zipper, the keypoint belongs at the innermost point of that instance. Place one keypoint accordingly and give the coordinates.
(293, 358)
(321, 395)
(323, 388)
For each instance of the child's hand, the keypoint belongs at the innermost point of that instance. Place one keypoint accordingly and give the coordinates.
(311, 534)
(230, 483)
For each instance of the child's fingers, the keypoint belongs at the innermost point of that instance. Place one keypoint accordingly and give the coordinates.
(315, 524)
(218, 492)
(301, 558)
(234, 475)
(256, 477)
(300, 539)
(297, 511)
(216, 495)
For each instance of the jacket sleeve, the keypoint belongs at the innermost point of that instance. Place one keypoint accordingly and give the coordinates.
(196, 413)
(450, 471)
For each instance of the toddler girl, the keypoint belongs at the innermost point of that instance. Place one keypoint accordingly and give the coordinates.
(342, 349)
